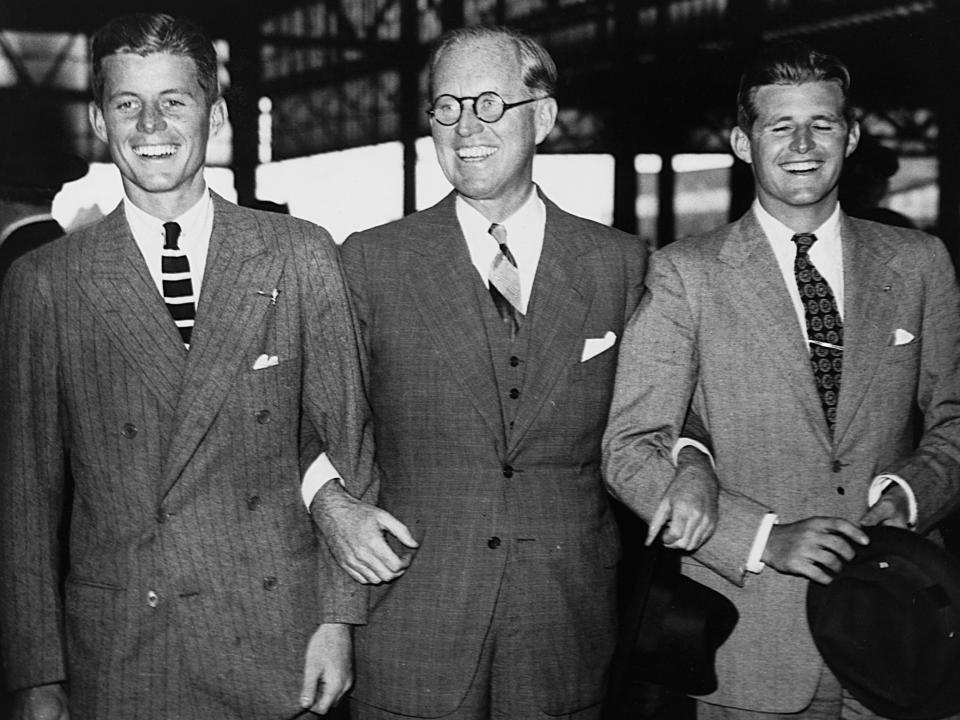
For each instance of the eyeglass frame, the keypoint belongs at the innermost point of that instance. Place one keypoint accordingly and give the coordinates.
(431, 111)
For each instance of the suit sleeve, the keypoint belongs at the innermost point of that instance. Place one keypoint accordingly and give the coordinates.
(335, 406)
(933, 469)
(656, 385)
(33, 482)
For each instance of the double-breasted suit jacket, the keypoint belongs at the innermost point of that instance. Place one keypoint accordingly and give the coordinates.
(490, 453)
(717, 324)
(196, 576)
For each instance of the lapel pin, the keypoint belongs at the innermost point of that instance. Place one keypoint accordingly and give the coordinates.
(272, 295)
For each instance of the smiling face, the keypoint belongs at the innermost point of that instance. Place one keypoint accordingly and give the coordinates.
(156, 121)
(796, 148)
(490, 164)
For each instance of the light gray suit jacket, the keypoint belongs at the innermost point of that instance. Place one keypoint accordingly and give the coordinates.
(716, 326)
(479, 493)
(196, 576)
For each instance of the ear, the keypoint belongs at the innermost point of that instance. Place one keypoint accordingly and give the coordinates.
(853, 137)
(218, 115)
(97, 122)
(740, 144)
(545, 118)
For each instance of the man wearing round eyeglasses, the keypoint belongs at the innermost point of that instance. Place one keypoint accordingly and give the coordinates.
(490, 323)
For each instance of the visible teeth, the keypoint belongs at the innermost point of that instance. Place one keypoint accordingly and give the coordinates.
(155, 150)
(476, 152)
(801, 166)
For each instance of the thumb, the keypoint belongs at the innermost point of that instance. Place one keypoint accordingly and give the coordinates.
(396, 528)
(311, 676)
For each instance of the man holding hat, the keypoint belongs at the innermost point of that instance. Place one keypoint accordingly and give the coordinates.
(823, 354)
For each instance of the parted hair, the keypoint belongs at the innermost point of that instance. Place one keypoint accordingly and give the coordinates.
(538, 70)
(790, 62)
(148, 33)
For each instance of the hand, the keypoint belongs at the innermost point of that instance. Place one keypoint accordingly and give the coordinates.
(354, 531)
(328, 668)
(891, 509)
(688, 507)
(815, 548)
(44, 702)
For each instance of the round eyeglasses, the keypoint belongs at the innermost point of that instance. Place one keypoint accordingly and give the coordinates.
(487, 106)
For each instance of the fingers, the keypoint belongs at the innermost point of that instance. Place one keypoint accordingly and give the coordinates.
(885, 512)
(396, 528)
(659, 519)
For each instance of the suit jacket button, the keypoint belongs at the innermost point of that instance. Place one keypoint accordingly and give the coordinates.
(837, 466)
(508, 471)
(162, 515)
(841, 490)
(263, 417)
(129, 431)
(253, 502)
(514, 361)
(270, 583)
(514, 393)
(493, 543)
(153, 599)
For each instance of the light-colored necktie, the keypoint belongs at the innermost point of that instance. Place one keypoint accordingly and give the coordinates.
(505, 281)
(177, 285)
(824, 326)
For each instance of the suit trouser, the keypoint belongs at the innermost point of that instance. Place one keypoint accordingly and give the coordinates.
(505, 685)
(830, 702)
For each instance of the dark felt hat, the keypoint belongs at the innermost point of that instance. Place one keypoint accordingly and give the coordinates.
(34, 145)
(671, 629)
(888, 626)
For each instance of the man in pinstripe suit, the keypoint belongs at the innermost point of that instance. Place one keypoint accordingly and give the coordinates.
(198, 584)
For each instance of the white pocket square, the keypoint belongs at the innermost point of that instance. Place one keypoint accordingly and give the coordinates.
(265, 361)
(594, 346)
(901, 337)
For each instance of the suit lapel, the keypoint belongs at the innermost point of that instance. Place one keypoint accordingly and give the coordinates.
(870, 286)
(121, 290)
(562, 292)
(443, 286)
(230, 314)
(755, 289)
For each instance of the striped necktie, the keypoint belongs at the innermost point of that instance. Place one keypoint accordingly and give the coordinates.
(505, 281)
(824, 326)
(177, 285)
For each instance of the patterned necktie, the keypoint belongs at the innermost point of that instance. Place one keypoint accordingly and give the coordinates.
(505, 281)
(824, 326)
(177, 286)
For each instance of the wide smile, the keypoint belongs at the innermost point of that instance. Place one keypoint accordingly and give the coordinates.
(475, 153)
(156, 152)
(802, 167)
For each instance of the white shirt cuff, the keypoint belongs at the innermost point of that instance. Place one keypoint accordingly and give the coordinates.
(320, 472)
(754, 563)
(683, 442)
(882, 482)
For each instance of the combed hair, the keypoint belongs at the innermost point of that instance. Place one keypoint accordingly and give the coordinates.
(790, 62)
(538, 70)
(148, 33)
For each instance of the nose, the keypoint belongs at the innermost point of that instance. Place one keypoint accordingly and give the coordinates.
(469, 123)
(150, 119)
(802, 140)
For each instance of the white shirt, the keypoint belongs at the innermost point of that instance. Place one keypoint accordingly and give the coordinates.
(525, 230)
(196, 226)
(826, 254)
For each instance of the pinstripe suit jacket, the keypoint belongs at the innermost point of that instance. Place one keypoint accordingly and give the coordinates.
(475, 493)
(716, 324)
(196, 576)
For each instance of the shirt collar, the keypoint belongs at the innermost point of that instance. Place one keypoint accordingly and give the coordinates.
(192, 222)
(523, 223)
(827, 234)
